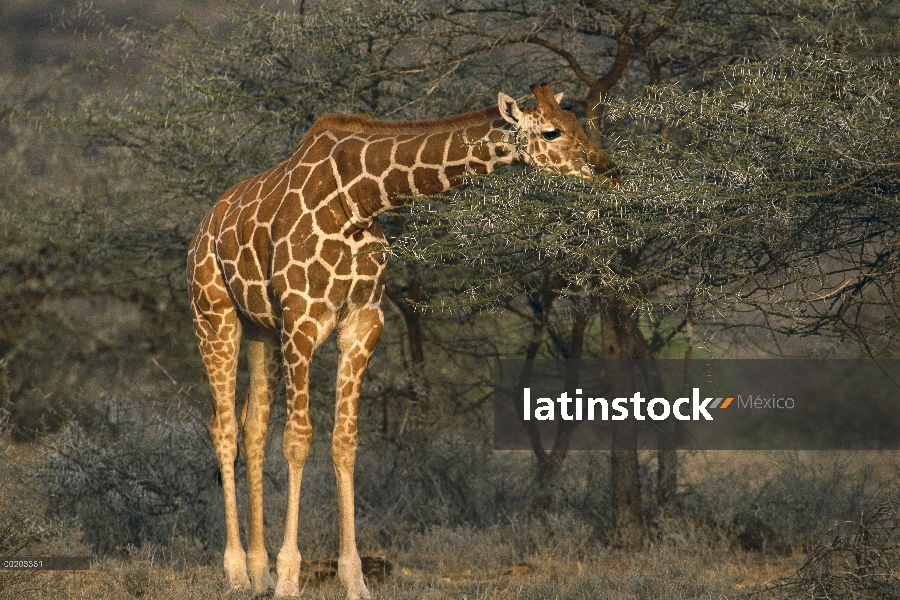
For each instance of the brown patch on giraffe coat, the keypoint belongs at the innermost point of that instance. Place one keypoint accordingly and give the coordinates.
(295, 303)
(303, 227)
(237, 288)
(318, 277)
(280, 188)
(458, 150)
(268, 206)
(338, 291)
(248, 268)
(320, 312)
(331, 217)
(281, 256)
(293, 352)
(367, 263)
(397, 183)
(359, 363)
(428, 181)
(433, 152)
(308, 330)
(256, 299)
(286, 217)
(378, 156)
(454, 173)
(296, 278)
(306, 247)
(479, 167)
(203, 275)
(201, 299)
(244, 223)
(298, 176)
(367, 194)
(228, 270)
(407, 150)
(320, 184)
(477, 132)
(260, 244)
(318, 149)
(255, 189)
(374, 334)
(348, 158)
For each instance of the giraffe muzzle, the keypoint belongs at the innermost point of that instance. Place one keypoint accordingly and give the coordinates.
(600, 168)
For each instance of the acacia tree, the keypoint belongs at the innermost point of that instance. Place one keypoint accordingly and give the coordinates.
(597, 50)
(774, 195)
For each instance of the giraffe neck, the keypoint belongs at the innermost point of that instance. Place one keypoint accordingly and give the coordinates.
(379, 165)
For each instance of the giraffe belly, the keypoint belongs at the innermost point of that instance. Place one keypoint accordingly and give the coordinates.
(339, 273)
(342, 275)
(252, 300)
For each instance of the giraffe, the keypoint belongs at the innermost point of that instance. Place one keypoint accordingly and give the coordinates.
(287, 256)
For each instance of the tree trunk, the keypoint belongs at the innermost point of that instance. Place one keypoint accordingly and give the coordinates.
(404, 300)
(550, 463)
(667, 461)
(621, 339)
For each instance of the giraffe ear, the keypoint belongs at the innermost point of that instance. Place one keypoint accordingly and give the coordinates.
(509, 110)
(558, 97)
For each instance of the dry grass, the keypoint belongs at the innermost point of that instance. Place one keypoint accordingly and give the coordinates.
(659, 572)
(502, 553)
(560, 556)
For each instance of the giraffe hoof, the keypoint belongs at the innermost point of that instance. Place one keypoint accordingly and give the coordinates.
(239, 583)
(236, 570)
(358, 594)
(258, 568)
(287, 589)
(264, 583)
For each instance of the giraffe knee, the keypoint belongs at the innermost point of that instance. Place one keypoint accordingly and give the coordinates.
(296, 444)
(343, 446)
(296, 453)
(343, 456)
(224, 438)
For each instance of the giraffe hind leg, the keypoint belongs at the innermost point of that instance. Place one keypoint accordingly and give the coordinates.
(358, 334)
(264, 360)
(218, 335)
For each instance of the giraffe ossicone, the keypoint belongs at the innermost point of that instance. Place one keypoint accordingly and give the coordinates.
(287, 256)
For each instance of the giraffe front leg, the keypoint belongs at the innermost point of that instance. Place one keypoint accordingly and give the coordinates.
(358, 334)
(298, 346)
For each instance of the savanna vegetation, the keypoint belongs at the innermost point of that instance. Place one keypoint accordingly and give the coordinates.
(758, 215)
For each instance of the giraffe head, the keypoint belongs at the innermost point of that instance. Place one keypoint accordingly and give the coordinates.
(552, 139)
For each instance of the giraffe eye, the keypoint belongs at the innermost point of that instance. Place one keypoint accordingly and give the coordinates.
(551, 134)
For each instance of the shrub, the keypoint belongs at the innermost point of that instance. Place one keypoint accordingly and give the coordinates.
(16, 535)
(132, 478)
(858, 559)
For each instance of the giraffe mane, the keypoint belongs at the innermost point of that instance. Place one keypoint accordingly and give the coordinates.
(365, 124)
